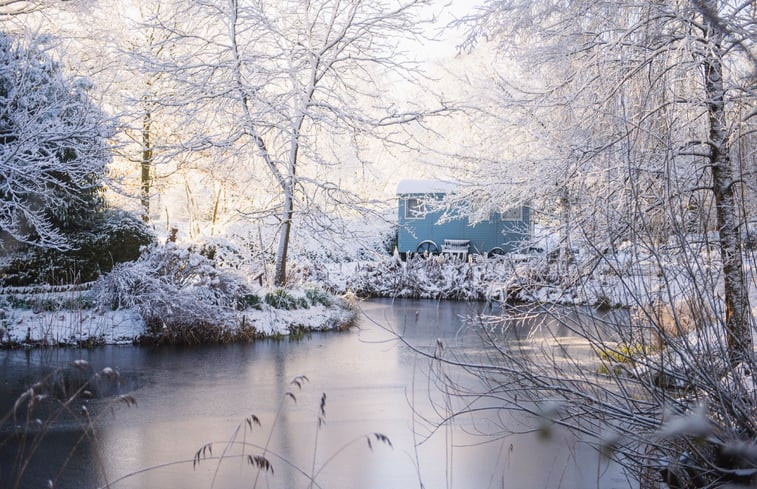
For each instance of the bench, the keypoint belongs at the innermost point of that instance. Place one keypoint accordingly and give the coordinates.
(456, 247)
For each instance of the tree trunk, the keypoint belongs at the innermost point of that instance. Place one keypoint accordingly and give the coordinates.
(146, 166)
(280, 276)
(564, 251)
(214, 217)
(737, 321)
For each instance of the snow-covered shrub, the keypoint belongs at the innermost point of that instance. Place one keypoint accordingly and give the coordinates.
(317, 295)
(181, 295)
(283, 299)
(120, 236)
(248, 301)
(54, 227)
(438, 277)
(112, 237)
(53, 149)
(223, 252)
(527, 277)
(378, 279)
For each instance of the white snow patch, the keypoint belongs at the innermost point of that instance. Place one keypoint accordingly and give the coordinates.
(270, 321)
(125, 325)
(425, 187)
(69, 327)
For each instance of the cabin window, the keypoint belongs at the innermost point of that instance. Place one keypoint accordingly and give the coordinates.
(414, 209)
(514, 214)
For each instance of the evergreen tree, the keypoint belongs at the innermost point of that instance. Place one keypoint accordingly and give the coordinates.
(53, 149)
(54, 225)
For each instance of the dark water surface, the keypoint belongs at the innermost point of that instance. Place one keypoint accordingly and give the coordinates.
(187, 397)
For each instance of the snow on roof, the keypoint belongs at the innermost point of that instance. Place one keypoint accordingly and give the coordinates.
(425, 187)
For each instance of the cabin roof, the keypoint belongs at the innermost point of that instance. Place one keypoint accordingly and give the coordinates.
(425, 187)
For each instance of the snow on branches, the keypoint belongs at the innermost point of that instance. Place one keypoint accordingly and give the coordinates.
(53, 152)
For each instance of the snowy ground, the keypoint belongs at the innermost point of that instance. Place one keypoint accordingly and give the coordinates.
(26, 326)
(96, 325)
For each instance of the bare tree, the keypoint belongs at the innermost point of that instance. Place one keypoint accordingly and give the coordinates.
(22, 8)
(653, 99)
(112, 52)
(651, 93)
(280, 86)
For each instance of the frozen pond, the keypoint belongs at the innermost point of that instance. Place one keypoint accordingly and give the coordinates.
(188, 397)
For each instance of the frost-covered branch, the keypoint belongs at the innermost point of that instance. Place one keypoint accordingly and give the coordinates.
(286, 88)
(52, 153)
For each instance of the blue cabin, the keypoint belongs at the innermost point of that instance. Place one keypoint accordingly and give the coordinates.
(421, 232)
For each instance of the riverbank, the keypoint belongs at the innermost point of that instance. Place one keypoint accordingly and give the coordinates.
(514, 277)
(611, 281)
(169, 295)
(71, 318)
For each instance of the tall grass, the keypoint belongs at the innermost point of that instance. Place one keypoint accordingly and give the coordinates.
(250, 443)
(59, 397)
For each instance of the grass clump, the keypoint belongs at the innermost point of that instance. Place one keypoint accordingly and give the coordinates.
(48, 302)
(248, 301)
(194, 331)
(282, 299)
(616, 359)
(250, 442)
(625, 353)
(318, 296)
(75, 394)
(298, 332)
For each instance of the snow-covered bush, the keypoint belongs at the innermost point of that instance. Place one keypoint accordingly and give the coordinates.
(182, 295)
(438, 277)
(112, 237)
(283, 299)
(248, 301)
(54, 227)
(53, 150)
(223, 252)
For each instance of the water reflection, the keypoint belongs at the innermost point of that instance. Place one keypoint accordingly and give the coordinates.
(188, 397)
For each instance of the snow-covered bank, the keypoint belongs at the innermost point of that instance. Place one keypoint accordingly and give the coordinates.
(174, 295)
(96, 326)
(21, 327)
(612, 281)
(169, 295)
(527, 278)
